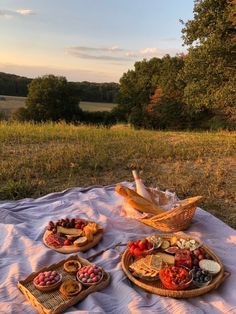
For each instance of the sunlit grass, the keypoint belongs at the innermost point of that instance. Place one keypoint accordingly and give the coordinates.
(8, 104)
(38, 159)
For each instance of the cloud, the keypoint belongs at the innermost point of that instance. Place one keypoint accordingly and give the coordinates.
(118, 54)
(92, 53)
(25, 12)
(8, 14)
(149, 51)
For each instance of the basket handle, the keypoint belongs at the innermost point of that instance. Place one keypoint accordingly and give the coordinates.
(225, 275)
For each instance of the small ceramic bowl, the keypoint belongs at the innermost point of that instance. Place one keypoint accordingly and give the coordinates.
(173, 286)
(203, 283)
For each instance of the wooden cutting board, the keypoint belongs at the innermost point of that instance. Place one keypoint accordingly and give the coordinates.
(67, 249)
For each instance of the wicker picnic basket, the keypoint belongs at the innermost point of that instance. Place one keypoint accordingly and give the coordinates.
(175, 219)
(156, 287)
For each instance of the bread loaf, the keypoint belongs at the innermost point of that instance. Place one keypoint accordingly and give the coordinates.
(137, 201)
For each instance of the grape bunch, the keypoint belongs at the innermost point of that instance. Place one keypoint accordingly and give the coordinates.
(89, 274)
(198, 255)
(67, 223)
(47, 278)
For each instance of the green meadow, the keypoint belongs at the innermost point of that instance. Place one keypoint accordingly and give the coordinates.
(39, 159)
(10, 103)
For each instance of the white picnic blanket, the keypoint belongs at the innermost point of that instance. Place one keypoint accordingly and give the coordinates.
(22, 225)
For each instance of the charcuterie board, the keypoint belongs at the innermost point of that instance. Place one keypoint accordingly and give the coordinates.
(72, 235)
(143, 275)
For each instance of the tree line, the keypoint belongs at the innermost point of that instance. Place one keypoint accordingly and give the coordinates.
(196, 90)
(14, 85)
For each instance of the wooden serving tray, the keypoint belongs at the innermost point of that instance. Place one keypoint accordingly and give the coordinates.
(54, 302)
(156, 287)
(68, 249)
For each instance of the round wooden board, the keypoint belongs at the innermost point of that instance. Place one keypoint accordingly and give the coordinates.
(67, 249)
(156, 287)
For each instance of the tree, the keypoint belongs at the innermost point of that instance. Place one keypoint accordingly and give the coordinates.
(209, 70)
(137, 85)
(139, 89)
(52, 98)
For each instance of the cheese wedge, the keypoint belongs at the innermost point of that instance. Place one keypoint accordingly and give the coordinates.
(72, 231)
(211, 266)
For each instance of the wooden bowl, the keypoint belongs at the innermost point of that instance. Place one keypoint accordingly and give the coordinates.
(89, 284)
(49, 288)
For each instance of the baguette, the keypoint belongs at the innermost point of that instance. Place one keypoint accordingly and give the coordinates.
(81, 241)
(137, 201)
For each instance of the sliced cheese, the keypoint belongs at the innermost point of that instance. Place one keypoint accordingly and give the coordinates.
(71, 231)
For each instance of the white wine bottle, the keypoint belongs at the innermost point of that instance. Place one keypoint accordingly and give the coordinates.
(140, 187)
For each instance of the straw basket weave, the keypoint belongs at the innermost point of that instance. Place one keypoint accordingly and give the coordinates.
(156, 287)
(176, 219)
(54, 302)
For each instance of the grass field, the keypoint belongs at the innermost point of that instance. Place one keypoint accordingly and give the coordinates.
(10, 103)
(39, 159)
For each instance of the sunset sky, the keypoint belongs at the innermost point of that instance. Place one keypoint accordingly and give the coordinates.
(93, 40)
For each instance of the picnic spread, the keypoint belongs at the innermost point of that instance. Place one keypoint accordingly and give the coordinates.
(105, 249)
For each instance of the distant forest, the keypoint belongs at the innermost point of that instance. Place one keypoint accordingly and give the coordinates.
(14, 85)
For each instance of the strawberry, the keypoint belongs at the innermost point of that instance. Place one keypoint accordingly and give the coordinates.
(67, 242)
(130, 244)
(131, 249)
(137, 252)
(142, 245)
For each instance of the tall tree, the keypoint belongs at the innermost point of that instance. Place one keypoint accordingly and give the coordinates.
(138, 88)
(209, 70)
(52, 98)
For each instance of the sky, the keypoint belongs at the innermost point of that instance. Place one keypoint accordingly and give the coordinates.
(88, 40)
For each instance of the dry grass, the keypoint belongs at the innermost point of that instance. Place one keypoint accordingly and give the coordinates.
(38, 159)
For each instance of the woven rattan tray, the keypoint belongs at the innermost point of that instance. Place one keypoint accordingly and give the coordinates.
(54, 302)
(156, 287)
